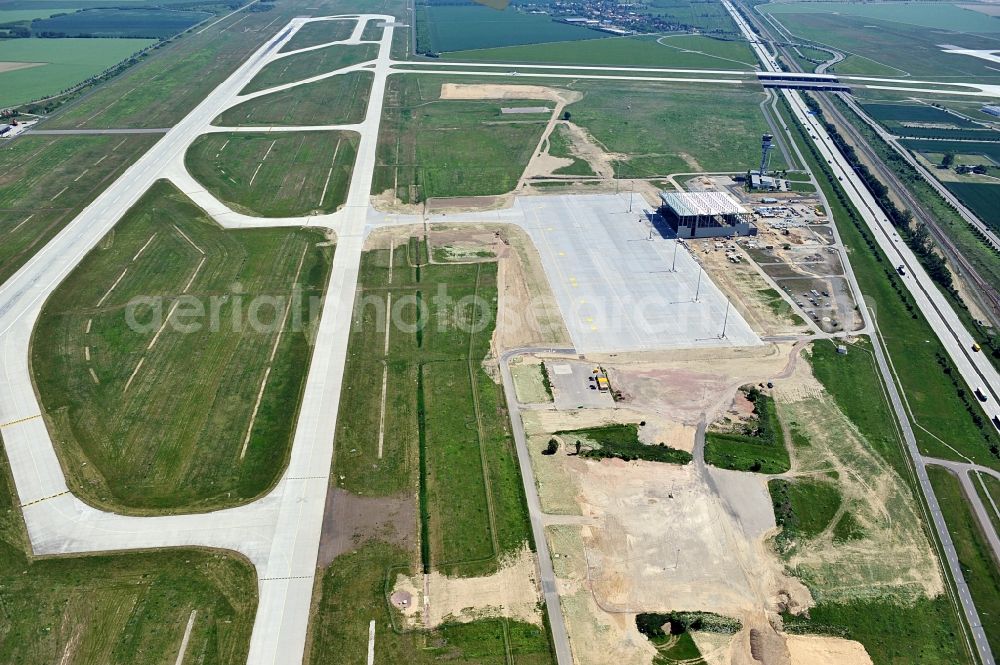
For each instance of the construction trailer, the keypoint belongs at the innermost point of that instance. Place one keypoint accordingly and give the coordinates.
(706, 215)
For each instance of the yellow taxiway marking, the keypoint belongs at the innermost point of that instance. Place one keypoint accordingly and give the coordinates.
(20, 420)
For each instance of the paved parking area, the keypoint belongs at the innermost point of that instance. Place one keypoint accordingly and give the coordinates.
(614, 282)
(571, 386)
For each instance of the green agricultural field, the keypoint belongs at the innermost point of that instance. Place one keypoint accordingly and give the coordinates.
(705, 16)
(353, 593)
(893, 115)
(338, 100)
(144, 23)
(989, 150)
(276, 175)
(46, 180)
(65, 63)
(979, 568)
(119, 608)
(430, 147)
(694, 51)
(982, 198)
(445, 429)
(151, 404)
(895, 36)
(758, 446)
(936, 15)
(663, 128)
(311, 63)
(320, 32)
(463, 27)
(942, 406)
(27, 15)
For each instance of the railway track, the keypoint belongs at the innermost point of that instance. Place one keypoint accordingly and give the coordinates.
(987, 296)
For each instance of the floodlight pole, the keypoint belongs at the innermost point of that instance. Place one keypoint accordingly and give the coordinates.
(697, 289)
(631, 189)
(673, 264)
(725, 321)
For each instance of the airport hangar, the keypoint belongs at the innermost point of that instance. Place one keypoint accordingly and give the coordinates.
(706, 215)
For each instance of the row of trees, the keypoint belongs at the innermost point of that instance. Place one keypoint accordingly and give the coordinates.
(913, 233)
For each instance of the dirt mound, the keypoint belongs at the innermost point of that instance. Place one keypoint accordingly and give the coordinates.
(815, 650)
(507, 91)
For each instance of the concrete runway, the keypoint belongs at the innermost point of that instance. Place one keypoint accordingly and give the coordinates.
(280, 532)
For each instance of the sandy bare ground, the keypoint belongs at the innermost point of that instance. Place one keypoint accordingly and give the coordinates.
(893, 560)
(14, 66)
(350, 520)
(639, 536)
(511, 592)
(815, 650)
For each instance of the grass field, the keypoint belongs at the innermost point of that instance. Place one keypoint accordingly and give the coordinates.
(895, 36)
(937, 15)
(338, 100)
(559, 146)
(67, 62)
(693, 51)
(430, 147)
(981, 571)
(276, 175)
(167, 84)
(803, 507)
(462, 27)
(923, 630)
(121, 608)
(663, 129)
(941, 405)
(320, 32)
(145, 23)
(758, 446)
(162, 421)
(311, 63)
(46, 180)
(988, 488)
(445, 427)
(353, 593)
(982, 198)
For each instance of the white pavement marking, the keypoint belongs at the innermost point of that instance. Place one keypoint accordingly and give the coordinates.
(385, 372)
(191, 242)
(134, 372)
(82, 173)
(371, 643)
(186, 638)
(270, 359)
(108, 292)
(194, 274)
(59, 193)
(166, 320)
(100, 160)
(93, 375)
(143, 248)
(22, 223)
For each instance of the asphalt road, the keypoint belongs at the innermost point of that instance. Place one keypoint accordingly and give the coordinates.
(944, 321)
(560, 638)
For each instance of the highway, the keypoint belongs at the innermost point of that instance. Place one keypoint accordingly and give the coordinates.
(278, 533)
(974, 368)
